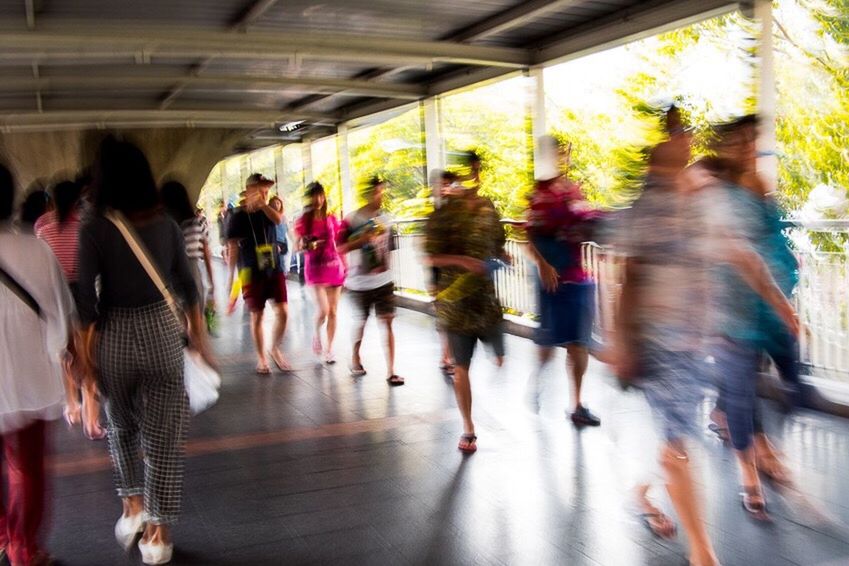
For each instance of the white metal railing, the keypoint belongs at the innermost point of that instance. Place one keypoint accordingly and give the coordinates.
(822, 297)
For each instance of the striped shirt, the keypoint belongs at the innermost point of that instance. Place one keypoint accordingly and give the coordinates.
(63, 239)
(196, 234)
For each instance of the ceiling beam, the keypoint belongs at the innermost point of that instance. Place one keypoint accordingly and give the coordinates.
(178, 42)
(254, 13)
(510, 18)
(643, 20)
(83, 119)
(507, 19)
(29, 6)
(240, 82)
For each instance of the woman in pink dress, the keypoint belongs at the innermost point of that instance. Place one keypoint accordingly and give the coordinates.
(324, 267)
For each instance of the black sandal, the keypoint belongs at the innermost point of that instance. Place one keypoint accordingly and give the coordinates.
(447, 370)
(720, 431)
(468, 443)
(395, 380)
(756, 510)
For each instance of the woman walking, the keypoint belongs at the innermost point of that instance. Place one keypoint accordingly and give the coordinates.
(177, 204)
(324, 269)
(60, 229)
(139, 344)
(35, 312)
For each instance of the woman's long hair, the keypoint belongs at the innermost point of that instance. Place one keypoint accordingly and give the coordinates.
(122, 179)
(66, 195)
(311, 213)
(175, 199)
(36, 203)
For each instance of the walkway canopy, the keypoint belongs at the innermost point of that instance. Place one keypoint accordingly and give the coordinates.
(196, 80)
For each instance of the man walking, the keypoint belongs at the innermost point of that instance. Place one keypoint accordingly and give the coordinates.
(251, 242)
(366, 238)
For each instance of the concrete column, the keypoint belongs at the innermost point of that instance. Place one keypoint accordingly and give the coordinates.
(434, 149)
(349, 201)
(768, 163)
(536, 110)
(279, 170)
(306, 160)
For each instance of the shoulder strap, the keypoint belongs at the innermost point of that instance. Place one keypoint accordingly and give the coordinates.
(19, 291)
(143, 257)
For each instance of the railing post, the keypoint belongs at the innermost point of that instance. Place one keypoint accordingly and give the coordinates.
(344, 161)
(536, 111)
(768, 162)
(306, 160)
(434, 151)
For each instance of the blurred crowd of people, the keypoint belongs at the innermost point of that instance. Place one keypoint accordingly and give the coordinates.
(707, 275)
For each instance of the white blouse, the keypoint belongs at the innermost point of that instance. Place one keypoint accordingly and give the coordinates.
(31, 385)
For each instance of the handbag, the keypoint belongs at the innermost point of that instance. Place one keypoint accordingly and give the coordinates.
(200, 380)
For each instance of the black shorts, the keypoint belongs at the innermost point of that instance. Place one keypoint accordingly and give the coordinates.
(382, 299)
(463, 345)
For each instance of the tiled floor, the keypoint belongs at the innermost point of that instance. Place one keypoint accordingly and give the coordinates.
(317, 467)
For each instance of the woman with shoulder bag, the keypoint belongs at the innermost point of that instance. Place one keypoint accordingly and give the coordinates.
(135, 344)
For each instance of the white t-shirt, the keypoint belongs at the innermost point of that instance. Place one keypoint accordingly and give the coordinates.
(368, 267)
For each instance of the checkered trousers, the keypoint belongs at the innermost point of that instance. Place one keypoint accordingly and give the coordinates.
(140, 357)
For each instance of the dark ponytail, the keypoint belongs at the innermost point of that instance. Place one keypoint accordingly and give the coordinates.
(66, 195)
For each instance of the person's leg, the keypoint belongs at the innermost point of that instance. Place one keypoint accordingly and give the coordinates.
(24, 451)
(320, 316)
(685, 498)
(259, 341)
(390, 344)
(577, 358)
(281, 317)
(462, 349)
(362, 307)
(333, 294)
(164, 425)
(384, 308)
(122, 405)
(738, 365)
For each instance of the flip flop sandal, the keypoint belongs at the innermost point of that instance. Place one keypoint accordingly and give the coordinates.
(395, 380)
(720, 431)
(647, 518)
(447, 369)
(756, 511)
(357, 371)
(468, 443)
(263, 370)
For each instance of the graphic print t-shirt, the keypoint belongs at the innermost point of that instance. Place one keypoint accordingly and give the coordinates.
(368, 267)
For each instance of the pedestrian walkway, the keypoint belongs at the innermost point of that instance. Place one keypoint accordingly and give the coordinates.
(318, 467)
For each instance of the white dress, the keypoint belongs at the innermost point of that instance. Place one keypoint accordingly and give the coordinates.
(31, 385)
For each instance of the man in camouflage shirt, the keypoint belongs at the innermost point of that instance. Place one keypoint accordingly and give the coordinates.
(464, 239)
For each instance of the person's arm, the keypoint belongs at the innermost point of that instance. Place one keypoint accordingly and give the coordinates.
(754, 271)
(273, 215)
(207, 260)
(232, 261)
(547, 273)
(181, 274)
(88, 268)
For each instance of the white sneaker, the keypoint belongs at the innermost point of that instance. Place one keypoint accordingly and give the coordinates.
(127, 529)
(156, 553)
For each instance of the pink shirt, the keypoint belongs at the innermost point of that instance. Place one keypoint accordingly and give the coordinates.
(322, 265)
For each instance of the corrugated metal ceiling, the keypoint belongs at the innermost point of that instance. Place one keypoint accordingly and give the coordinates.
(307, 40)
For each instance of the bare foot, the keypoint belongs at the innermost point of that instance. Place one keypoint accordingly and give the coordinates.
(280, 360)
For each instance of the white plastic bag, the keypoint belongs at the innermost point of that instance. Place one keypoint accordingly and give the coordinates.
(201, 382)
